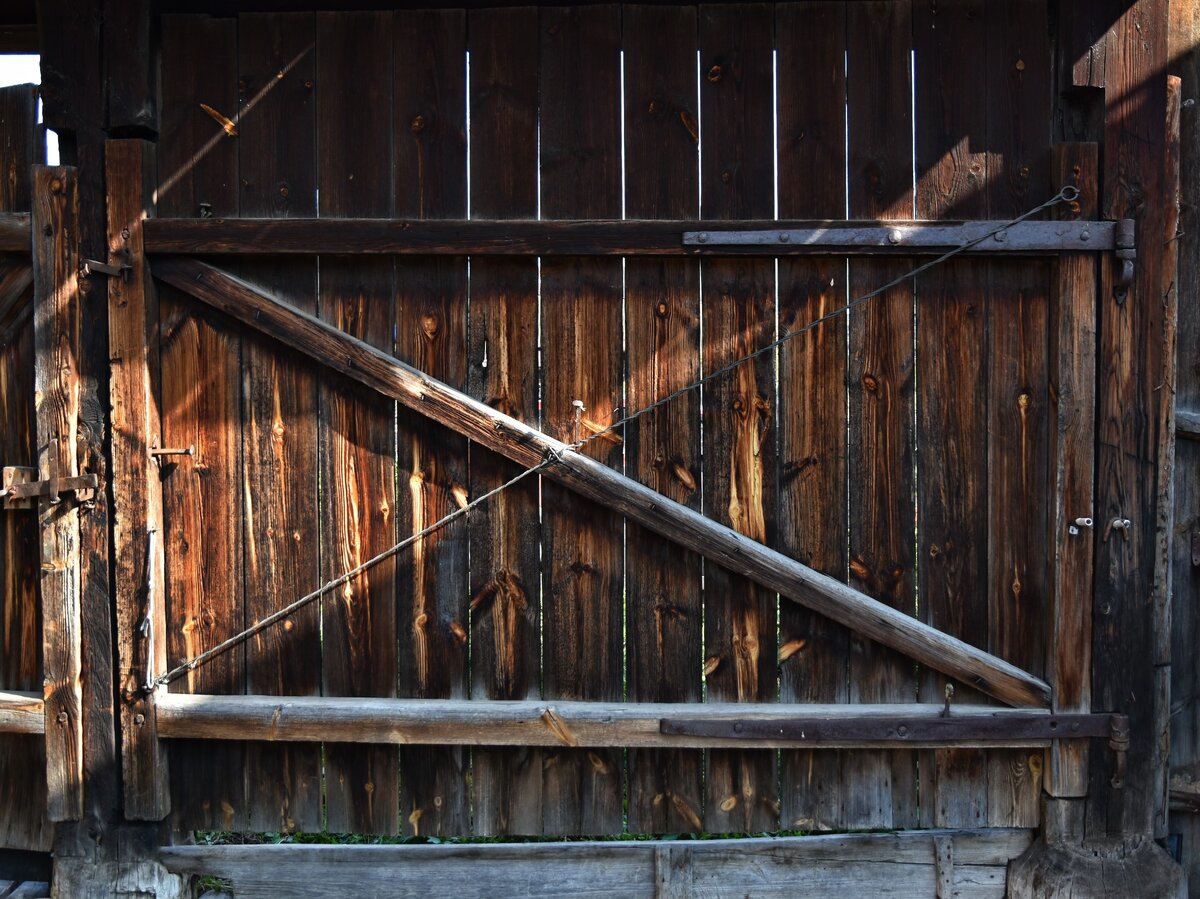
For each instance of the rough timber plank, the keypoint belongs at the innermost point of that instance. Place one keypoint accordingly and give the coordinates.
(600, 483)
(502, 351)
(137, 510)
(952, 315)
(739, 441)
(813, 651)
(1072, 433)
(879, 788)
(662, 298)
(431, 315)
(898, 866)
(1018, 130)
(23, 821)
(201, 387)
(354, 93)
(57, 324)
(580, 128)
(277, 179)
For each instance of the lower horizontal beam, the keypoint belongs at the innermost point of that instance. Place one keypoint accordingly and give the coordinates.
(547, 723)
(21, 713)
(893, 864)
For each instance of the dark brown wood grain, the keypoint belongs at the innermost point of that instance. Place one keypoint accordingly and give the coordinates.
(880, 788)
(354, 177)
(1018, 126)
(662, 313)
(430, 171)
(137, 510)
(950, 41)
(57, 326)
(277, 178)
(23, 821)
(580, 162)
(739, 440)
(200, 394)
(813, 657)
(1072, 435)
(502, 340)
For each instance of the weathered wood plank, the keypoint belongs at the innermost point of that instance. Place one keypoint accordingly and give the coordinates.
(23, 821)
(16, 297)
(879, 789)
(580, 161)
(557, 723)
(529, 447)
(600, 237)
(740, 480)
(130, 66)
(137, 483)
(502, 348)
(57, 323)
(358, 444)
(277, 178)
(952, 337)
(430, 173)
(201, 407)
(662, 315)
(1070, 547)
(22, 713)
(894, 865)
(813, 652)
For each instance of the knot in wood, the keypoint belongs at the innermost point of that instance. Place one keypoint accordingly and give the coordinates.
(870, 382)
(653, 108)
(662, 310)
(417, 125)
(714, 74)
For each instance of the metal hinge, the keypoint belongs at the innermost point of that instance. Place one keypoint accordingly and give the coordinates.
(20, 487)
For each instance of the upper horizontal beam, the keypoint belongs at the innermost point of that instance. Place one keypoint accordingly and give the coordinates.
(530, 448)
(459, 722)
(21, 713)
(616, 238)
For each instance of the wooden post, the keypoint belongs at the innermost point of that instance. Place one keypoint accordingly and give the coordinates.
(57, 323)
(1072, 467)
(137, 489)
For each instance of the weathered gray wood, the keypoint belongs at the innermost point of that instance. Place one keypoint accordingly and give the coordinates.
(891, 865)
(529, 447)
(21, 713)
(581, 724)
(137, 484)
(1187, 424)
(610, 238)
(57, 325)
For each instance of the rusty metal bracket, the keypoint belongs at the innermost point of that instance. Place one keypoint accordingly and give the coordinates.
(20, 487)
(1125, 254)
(95, 267)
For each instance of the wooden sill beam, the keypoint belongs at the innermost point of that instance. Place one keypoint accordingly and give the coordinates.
(21, 713)
(460, 722)
(619, 238)
(529, 447)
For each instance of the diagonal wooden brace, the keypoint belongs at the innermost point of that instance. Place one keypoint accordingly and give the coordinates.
(529, 447)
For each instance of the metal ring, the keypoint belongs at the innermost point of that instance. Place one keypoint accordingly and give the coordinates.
(1070, 193)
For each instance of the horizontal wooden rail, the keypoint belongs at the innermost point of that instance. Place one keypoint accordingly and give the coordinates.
(21, 713)
(970, 865)
(619, 238)
(1187, 424)
(14, 232)
(529, 447)
(461, 722)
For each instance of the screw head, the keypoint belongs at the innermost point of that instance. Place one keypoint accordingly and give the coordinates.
(139, 719)
(62, 717)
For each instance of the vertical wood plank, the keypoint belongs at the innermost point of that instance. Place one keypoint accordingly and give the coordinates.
(23, 821)
(200, 358)
(738, 300)
(813, 651)
(502, 351)
(662, 448)
(57, 324)
(431, 182)
(277, 179)
(950, 41)
(1072, 436)
(1018, 93)
(136, 485)
(358, 444)
(580, 161)
(880, 789)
